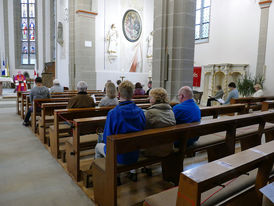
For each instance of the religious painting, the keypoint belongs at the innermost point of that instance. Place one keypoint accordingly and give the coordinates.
(132, 25)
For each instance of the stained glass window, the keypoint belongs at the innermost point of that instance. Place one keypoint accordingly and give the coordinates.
(202, 19)
(28, 32)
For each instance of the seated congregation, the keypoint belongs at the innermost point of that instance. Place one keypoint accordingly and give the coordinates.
(105, 139)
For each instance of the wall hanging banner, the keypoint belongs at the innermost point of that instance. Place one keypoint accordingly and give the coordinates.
(197, 72)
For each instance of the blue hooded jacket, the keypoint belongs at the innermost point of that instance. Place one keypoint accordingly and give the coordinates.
(125, 118)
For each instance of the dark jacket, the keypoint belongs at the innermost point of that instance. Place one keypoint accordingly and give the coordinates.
(159, 116)
(81, 100)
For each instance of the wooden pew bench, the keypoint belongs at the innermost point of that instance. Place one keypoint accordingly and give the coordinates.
(37, 104)
(254, 103)
(47, 111)
(24, 104)
(61, 115)
(105, 170)
(19, 102)
(83, 124)
(218, 181)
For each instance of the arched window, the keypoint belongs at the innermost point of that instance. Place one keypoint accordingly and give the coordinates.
(28, 32)
(202, 20)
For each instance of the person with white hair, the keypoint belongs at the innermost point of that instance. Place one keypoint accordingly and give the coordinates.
(56, 88)
(187, 111)
(82, 99)
(259, 91)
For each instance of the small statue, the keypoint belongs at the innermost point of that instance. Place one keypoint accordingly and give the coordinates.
(150, 45)
(112, 38)
(60, 34)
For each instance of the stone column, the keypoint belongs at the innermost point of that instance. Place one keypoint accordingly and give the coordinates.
(262, 36)
(82, 30)
(173, 50)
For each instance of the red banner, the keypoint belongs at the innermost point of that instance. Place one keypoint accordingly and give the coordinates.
(197, 73)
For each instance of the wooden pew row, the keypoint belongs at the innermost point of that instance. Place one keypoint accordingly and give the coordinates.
(105, 170)
(38, 103)
(47, 110)
(70, 114)
(18, 102)
(60, 115)
(266, 105)
(19, 97)
(25, 107)
(198, 184)
(253, 103)
(83, 128)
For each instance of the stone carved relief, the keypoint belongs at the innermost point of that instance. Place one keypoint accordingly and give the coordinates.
(220, 74)
(60, 39)
(150, 46)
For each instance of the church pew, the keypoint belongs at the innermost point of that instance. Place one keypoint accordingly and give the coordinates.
(47, 109)
(83, 128)
(18, 102)
(266, 105)
(25, 98)
(23, 104)
(253, 103)
(105, 170)
(70, 114)
(37, 103)
(198, 184)
(50, 107)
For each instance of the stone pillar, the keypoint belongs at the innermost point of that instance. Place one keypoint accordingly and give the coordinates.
(82, 55)
(173, 49)
(262, 36)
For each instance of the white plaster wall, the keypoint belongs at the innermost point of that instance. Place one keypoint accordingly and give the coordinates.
(107, 15)
(2, 40)
(40, 34)
(234, 34)
(47, 31)
(62, 52)
(269, 83)
(11, 36)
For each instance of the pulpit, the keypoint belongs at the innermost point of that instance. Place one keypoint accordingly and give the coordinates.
(4, 79)
(48, 74)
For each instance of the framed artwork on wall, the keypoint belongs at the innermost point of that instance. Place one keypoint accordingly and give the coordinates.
(132, 25)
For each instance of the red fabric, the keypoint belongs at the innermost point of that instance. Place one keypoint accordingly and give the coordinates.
(22, 84)
(197, 73)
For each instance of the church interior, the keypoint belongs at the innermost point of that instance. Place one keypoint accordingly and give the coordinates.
(136, 102)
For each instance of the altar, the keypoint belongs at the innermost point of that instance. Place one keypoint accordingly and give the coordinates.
(4, 79)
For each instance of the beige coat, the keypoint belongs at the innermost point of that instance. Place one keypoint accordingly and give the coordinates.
(159, 116)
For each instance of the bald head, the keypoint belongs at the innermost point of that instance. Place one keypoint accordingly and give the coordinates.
(185, 93)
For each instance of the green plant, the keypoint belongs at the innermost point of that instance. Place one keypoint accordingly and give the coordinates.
(246, 84)
(259, 80)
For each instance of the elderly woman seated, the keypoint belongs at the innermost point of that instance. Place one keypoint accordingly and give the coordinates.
(111, 98)
(56, 88)
(82, 99)
(158, 115)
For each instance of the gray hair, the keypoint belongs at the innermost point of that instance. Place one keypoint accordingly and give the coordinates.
(82, 86)
(187, 92)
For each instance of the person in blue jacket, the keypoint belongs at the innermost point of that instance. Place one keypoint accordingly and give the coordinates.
(124, 118)
(187, 111)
